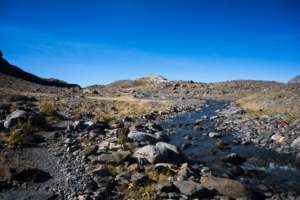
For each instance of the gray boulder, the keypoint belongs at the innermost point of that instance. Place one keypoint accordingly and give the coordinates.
(143, 137)
(192, 189)
(35, 118)
(30, 195)
(89, 151)
(154, 154)
(140, 179)
(296, 143)
(111, 158)
(174, 152)
(163, 186)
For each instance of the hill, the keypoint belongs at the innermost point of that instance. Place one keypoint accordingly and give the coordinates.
(7, 68)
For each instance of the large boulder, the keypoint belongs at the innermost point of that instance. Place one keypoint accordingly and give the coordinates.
(114, 158)
(30, 195)
(18, 172)
(192, 189)
(227, 187)
(296, 143)
(297, 160)
(153, 154)
(174, 152)
(143, 137)
(140, 179)
(35, 118)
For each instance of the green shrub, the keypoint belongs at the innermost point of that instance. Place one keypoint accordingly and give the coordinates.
(49, 111)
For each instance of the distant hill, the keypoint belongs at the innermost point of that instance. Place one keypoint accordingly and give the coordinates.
(12, 70)
(295, 80)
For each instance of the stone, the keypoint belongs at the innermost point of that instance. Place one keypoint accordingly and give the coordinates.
(89, 151)
(30, 195)
(135, 167)
(226, 187)
(163, 186)
(100, 170)
(236, 171)
(98, 124)
(154, 154)
(296, 143)
(139, 179)
(185, 173)
(278, 138)
(192, 189)
(214, 135)
(18, 172)
(143, 137)
(127, 119)
(35, 118)
(174, 152)
(234, 159)
(114, 158)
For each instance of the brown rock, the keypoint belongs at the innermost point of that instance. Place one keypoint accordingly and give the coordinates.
(135, 167)
(227, 187)
(297, 160)
(18, 172)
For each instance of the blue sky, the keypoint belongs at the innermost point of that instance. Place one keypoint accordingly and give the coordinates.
(100, 41)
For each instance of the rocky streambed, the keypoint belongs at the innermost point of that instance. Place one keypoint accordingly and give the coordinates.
(204, 151)
(248, 153)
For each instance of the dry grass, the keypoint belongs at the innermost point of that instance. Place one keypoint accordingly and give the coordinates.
(161, 176)
(141, 192)
(271, 103)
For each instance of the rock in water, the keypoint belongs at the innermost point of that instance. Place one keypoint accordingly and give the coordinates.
(227, 187)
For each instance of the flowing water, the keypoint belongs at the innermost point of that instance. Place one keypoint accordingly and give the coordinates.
(279, 172)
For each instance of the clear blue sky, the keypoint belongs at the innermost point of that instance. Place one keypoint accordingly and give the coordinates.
(99, 41)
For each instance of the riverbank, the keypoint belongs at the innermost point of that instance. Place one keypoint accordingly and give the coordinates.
(136, 160)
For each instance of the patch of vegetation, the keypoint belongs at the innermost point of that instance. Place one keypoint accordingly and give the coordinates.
(142, 192)
(76, 115)
(19, 138)
(106, 118)
(48, 109)
(161, 176)
(122, 135)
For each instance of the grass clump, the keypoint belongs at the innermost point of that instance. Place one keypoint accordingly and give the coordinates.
(17, 137)
(122, 135)
(142, 192)
(106, 118)
(49, 111)
(161, 176)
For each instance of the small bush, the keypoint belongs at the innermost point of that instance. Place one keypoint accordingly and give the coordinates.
(49, 111)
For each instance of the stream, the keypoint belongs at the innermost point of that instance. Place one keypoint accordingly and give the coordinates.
(275, 171)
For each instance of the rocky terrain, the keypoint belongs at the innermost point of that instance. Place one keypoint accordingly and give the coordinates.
(108, 141)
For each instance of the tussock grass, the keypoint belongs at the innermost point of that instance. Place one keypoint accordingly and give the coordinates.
(49, 110)
(106, 118)
(142, 192)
